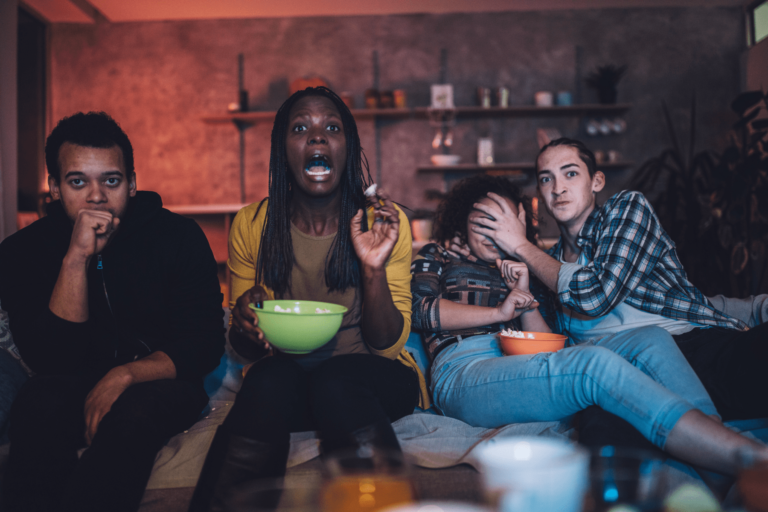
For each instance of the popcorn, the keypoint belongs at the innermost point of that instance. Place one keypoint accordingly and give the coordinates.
(278, 309)
(517, 334)
(370, 191)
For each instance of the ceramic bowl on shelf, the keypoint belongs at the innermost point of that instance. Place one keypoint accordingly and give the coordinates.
(445, 160)
(299, 326)
(531, 343)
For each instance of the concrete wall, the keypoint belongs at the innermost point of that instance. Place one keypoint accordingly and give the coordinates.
(159, 78)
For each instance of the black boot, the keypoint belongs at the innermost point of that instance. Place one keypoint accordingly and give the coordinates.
(378, 435)
(232, 461)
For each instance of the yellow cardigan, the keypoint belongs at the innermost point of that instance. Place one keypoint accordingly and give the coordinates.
(244, 240)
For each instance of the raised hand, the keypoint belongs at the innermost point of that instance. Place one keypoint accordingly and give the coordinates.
(506, 227)
(374, 246)
(516, 303)
(515, 274)
(245, 321)
(92, 231)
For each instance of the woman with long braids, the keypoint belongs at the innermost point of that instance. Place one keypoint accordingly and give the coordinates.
(310, 240)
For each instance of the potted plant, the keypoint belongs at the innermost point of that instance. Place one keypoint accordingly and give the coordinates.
(715, 206)
(604, 79)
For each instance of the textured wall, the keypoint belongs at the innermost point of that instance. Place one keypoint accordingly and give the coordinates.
(158, 78)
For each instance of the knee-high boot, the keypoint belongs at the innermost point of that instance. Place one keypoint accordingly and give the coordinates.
(378, 435)
(232, 461)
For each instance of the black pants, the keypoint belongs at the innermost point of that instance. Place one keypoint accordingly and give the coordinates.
(340, 396)
(732, 365)
(47, 430)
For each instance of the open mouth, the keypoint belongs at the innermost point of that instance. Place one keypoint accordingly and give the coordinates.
(318, 165)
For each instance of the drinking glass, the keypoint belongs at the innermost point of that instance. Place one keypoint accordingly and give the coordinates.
(625, 476)
(365, 480)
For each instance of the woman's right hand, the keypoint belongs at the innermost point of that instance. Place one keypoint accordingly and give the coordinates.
(245, 321)
(515, 304)
(456, 248)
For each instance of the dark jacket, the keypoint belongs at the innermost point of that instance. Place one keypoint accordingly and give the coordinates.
(154, 287)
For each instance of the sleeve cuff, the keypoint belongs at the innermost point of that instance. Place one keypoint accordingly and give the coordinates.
(565, 274)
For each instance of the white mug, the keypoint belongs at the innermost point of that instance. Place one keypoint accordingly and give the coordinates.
(535, 474)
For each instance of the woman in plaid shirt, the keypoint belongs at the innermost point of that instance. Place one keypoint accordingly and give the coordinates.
(461, 301)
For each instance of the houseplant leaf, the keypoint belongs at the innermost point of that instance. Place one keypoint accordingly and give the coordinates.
(746, 100)
(760, 124)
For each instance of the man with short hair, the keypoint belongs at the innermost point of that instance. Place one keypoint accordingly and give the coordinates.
(615, 268)
(114, 303)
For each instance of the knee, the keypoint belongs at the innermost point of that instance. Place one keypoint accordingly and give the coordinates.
(271, 380)
(333, 382)
(36, 406)
(599, 361)
(133, 414)
(331, 390)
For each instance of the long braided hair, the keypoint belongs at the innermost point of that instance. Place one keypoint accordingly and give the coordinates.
(276, 259)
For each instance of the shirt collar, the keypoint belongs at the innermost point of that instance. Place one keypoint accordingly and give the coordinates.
(587, 231)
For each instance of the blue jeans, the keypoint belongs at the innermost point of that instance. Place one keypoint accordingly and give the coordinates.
(12, 377)
(639, 375)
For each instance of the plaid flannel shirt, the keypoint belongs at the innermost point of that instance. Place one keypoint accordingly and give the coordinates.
(632, 259)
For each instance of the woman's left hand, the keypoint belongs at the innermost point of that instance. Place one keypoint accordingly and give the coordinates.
(515, 274)
(374, 246)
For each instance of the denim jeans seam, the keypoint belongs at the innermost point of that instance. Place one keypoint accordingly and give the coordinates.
(662, 431)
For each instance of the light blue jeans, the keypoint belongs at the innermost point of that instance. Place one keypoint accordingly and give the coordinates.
(639, 375)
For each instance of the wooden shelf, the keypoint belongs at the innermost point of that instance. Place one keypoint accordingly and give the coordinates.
(206, 209)
(255, 117)
(534, 111)
(512, 167)
(461, 112)
(215, 221)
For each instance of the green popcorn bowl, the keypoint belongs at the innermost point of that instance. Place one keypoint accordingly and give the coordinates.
(301, 329)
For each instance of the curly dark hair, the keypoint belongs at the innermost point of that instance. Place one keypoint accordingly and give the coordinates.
(275, 260)
(91, 130)
(453, 212)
